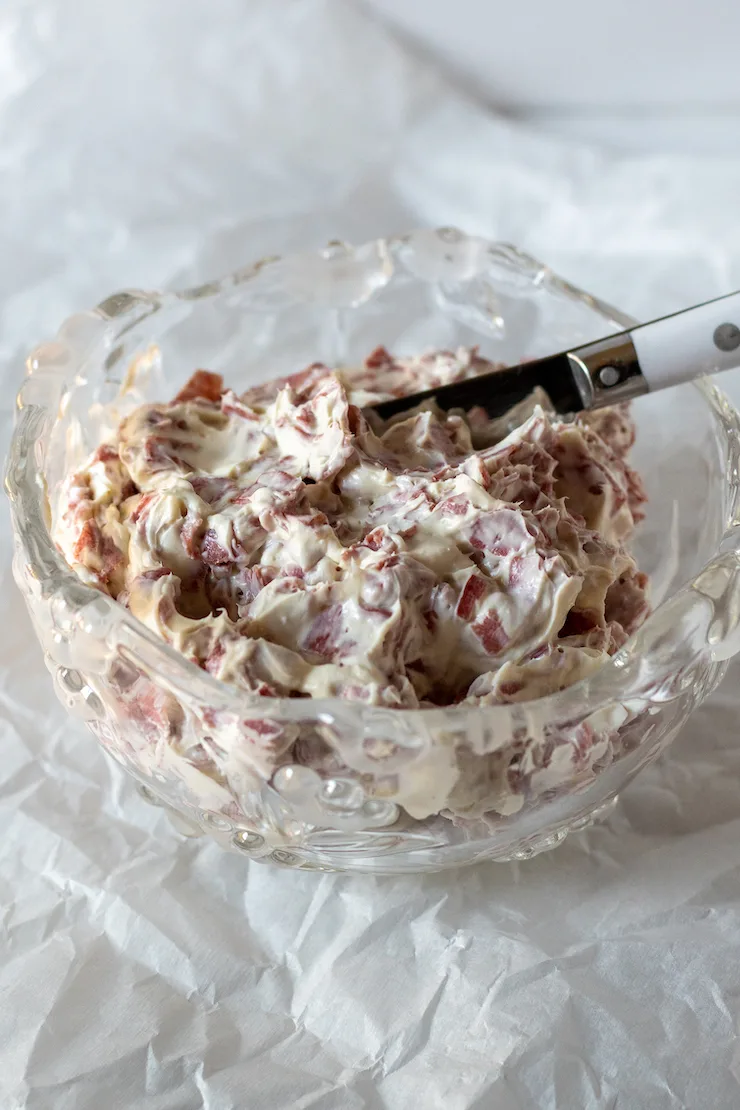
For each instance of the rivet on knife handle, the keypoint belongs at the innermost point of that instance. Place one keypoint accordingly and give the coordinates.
(608, 371)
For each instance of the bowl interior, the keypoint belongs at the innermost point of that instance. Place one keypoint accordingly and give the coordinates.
(422, 292)
(679, 455)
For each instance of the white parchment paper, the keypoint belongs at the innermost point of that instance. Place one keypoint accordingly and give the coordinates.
(150, 143)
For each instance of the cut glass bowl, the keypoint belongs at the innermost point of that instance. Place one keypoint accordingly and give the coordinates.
(203, 749)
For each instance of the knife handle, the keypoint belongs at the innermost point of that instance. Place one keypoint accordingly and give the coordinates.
(675, 349)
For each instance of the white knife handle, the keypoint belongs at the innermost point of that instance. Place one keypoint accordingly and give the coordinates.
(701, 340)
(675, 349)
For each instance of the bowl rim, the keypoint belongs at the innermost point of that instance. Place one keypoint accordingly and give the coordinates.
(38, 406)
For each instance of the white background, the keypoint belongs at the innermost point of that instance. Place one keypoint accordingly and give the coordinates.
(155, 143)
(668, 55)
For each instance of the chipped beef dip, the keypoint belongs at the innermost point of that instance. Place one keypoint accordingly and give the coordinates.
(291, 548)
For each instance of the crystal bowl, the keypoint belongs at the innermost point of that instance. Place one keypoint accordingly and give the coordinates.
(226, 764)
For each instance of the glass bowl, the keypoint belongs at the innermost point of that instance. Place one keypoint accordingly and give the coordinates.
(233, 766)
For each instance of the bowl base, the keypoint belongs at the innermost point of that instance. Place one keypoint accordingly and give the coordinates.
(298, 858)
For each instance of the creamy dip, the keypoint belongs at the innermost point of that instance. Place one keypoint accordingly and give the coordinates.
(292, 545)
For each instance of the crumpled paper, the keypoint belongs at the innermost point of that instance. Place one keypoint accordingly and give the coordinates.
(153, 144)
